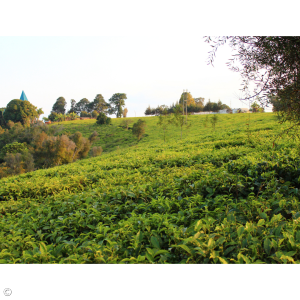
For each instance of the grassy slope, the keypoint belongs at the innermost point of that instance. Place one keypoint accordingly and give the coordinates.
(213, 197)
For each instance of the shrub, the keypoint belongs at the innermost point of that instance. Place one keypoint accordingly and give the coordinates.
(85, 114)
(95, 114)
(103, 119)
(96, 151)
(138, 128)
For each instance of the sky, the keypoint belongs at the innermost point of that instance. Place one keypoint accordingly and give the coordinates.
(149, 70)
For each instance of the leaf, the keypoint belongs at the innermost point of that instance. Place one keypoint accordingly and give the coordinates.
(223, 260)
(155, 242)
(267, 246)
(43, 248)
(160, 252)
(263, 215)
(261, 222)
(150, 257)
(139, 237)
(240, 230)
(186, 248)
(229, 250)
(198, 225)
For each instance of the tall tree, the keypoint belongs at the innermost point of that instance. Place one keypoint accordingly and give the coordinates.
(82, 105)
(138, 128)
(187, 96)
(73, 107)
(20, 111)
(59, 106)
(117, 102)
(98, 104)
(272, 63)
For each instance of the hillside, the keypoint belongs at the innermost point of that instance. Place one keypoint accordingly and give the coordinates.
(227, 195)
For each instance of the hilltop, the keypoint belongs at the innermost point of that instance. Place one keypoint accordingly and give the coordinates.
(228, 195)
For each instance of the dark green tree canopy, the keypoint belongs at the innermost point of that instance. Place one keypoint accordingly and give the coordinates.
(98, 104)
(59, 106)
(117, 102)
(20, 111)
(82, 105)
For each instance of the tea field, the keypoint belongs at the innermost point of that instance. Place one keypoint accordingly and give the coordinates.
(229, 195)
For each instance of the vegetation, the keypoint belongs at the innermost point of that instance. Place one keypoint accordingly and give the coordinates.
(272, 64)
(20, 111)
(210, 198)
(138, 128)
(103, 119)
(117, 102)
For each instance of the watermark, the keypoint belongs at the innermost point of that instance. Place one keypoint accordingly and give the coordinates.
(7, 292)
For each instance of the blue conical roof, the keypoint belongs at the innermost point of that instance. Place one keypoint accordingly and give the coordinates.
(23, 96)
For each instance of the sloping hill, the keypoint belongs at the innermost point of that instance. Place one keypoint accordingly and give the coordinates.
(223, 196)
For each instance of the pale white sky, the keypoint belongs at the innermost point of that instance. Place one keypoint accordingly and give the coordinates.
(149, 70)
(150, 52)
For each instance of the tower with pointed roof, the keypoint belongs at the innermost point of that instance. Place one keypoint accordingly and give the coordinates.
(23, 97)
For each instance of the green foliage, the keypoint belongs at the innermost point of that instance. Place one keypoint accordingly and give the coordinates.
(99, 105)
(210, 198)
(20, 111)
(103, 119)
(82, 105)
(117, 102)
(214, 121)
(59, 106)
(85, 114)
(164, 122)
(125, 123)
(95, 114)
(138, 128)
(13, 148)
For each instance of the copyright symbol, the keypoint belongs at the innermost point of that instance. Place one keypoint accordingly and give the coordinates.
(7, 292)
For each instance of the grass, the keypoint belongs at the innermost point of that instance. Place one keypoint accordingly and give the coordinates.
(217, 196)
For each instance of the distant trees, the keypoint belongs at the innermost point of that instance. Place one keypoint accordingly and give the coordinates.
(117, 102)
(59, 106)
(82, 105)
(20, 111)
(138, 128)
(99, 104)
(23, 149)
(73, 105)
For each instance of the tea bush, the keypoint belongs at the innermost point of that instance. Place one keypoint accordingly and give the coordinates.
(212, 197)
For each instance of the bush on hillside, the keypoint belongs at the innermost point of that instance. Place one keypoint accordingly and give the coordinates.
(138, 128)
(103, 119)
(85, 114)
(96, 151)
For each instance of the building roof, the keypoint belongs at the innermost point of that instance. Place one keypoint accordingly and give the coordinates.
(23, 96)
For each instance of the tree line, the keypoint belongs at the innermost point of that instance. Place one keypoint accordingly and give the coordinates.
(85, 108)
(190, 105)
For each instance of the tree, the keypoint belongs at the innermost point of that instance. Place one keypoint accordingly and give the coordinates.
(2, 120)
(40, 112)
(117, 101)
(98, 104)
(95, 114)
(138, 128)
(272, 63)
(213, 121)
(52, 116)
(85, 114)
(59, 106)
(103, 119)
(187, 96)
(82, 105)
(20, 111)
(164, 122)
(255, 107)
(73, 107)
(180, 120)
(125, 111)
